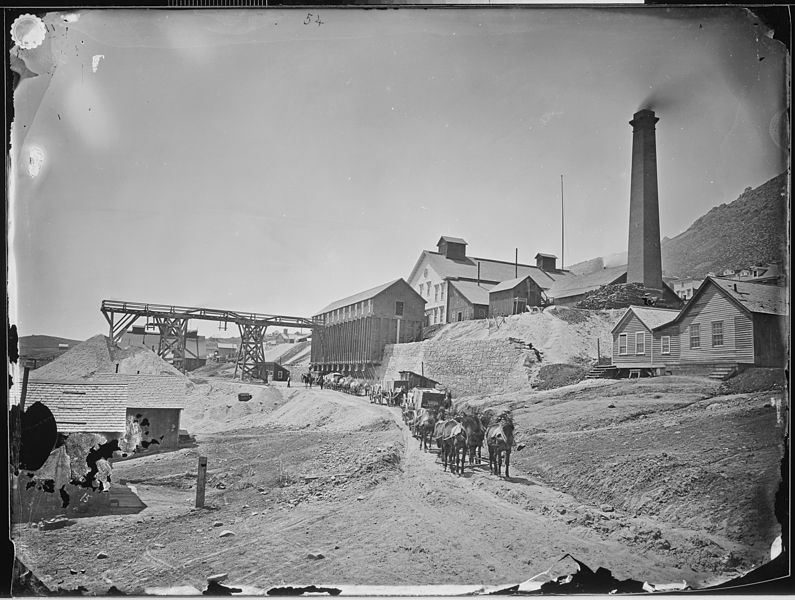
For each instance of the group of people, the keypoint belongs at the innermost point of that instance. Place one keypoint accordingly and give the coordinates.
(309, 380)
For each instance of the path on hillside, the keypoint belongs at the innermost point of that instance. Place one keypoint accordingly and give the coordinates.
(382, 522)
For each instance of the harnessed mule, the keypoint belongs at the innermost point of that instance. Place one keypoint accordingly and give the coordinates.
(499, 438)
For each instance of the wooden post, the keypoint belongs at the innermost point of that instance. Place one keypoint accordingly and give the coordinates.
(201, 480)
(598, 352)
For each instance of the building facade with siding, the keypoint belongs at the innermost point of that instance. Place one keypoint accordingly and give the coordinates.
(638, 342)
(512, 297)
(468, 300)
(355, 329)
(733, 322)
(435, 272)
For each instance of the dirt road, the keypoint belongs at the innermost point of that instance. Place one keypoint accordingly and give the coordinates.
(296, 474)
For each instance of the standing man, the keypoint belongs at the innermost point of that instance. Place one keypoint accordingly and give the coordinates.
(320, 381)
(288, 380)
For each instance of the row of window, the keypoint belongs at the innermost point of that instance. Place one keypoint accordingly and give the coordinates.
(640, 343)
(665, 341)
(352, 310)
(425, 290)
(695, 335)
(435, 315)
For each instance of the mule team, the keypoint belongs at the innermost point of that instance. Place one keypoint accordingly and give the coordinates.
(463, 434)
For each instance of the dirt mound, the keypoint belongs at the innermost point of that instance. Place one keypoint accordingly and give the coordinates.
(555, 376)
(96, 355)
(754, 380)
(331, 412)
(214, 406)
(563, 335)
(81, 362)
(135, 360)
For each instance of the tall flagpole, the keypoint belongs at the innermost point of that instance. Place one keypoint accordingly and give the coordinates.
(562, 250)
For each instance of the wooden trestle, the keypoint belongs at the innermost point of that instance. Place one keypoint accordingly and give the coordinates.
(172, 322)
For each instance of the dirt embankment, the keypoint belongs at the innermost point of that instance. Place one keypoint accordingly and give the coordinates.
(657, 480)
(668, 449)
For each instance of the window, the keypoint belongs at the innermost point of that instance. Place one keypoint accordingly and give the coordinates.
(717, 333)
(622, 343)
(442, 293)
(436, 292)
(398, 308)
(665, 344)
(695, 336)
(640, 342)
(441, 314)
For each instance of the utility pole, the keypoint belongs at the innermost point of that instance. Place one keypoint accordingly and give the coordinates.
(562, 239)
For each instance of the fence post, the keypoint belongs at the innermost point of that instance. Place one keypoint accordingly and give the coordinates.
(201, 480)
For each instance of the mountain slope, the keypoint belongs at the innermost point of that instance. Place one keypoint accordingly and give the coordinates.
(750, 230)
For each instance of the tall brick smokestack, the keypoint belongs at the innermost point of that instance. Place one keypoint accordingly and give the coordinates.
(644, 262)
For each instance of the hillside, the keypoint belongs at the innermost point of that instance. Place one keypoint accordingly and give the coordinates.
(44, 347)
(752, 229)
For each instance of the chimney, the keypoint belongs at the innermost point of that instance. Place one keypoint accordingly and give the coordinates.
(644, 262)
(478, 272)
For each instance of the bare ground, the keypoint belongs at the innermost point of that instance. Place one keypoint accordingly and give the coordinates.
(657, 480)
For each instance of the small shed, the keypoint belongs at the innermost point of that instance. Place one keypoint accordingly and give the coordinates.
(275, 371)
(468, 300)
(512, 297)
(416, 380)
(155, 403)
(638, 344)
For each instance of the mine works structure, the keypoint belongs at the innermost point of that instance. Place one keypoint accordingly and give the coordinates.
(172, 322)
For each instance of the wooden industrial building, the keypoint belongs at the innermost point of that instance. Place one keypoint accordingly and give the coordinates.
(727, 325)
(356, 329)
(513, 296)
(468, 300)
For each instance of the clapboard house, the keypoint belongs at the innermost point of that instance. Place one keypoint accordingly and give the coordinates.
(639, 346)
(356, 329)
(732, 324)
(726, 326)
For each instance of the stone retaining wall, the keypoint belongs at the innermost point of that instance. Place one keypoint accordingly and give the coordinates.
(465, 367)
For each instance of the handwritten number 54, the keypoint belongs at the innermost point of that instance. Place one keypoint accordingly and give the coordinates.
(309, 19)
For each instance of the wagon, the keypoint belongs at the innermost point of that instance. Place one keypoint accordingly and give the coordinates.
(422, 400)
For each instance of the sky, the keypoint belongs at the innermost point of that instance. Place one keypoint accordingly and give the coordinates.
(277, 160)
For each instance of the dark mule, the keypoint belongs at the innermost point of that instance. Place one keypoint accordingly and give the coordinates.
(425, 429)
(452, 437)
(499, 439)
(475, 433)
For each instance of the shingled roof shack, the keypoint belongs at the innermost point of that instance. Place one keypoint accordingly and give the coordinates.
(155, 402)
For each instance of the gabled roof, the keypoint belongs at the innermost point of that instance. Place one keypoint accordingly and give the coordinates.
(451, 240)
(149, 391)
(751, 297)
(81, 407)
(491, 271)
(754, 297)
(474, 293)
(575, 285)
(365, 295)
(509, 284)
(651, 317)
(541, 254)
